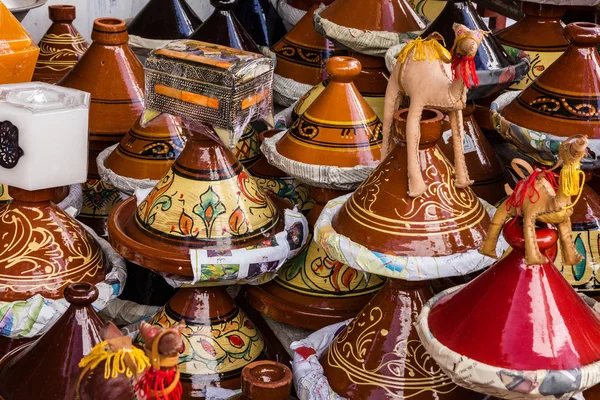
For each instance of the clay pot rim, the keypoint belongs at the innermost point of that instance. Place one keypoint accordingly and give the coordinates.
(109, 25)
(433, 346)
(285, 380)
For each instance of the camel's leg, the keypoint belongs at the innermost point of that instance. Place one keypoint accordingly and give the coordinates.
(416, 184)
(488, 247)
(569, 252)
(392, 100)
(462, 173)
(533, 255)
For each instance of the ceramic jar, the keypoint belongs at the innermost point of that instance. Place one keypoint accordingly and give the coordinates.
(17, 61)
(61, 47)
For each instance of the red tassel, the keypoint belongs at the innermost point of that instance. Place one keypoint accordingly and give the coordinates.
(154, 383)
(526, 188)
(464, 68)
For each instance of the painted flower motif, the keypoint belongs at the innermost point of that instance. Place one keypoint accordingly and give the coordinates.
(235, 341)
(238, 222)
(209, 209)
(186, 224)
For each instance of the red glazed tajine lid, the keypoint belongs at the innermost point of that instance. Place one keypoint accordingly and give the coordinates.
(519, 316)
(374, 15)
(43, 248)
(564, 100)
(206, 200)
(339, 128)
(49, 367)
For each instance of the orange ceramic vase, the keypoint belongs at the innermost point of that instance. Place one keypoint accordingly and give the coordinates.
(148, 152)
(19, 53)
(115, 78)
(61, 47)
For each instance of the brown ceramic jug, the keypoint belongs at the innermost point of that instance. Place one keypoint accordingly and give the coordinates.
(265, 380)
(48, 368)
(61, 47)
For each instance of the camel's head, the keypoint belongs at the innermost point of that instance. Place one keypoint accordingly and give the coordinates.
(572, 150)
(467, 41)
(170, 343)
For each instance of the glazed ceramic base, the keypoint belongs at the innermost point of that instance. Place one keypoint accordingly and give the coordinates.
(220, 339)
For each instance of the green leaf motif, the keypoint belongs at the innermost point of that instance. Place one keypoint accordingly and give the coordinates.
(209, 209)
(579, 269)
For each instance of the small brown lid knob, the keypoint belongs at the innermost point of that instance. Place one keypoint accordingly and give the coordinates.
(224, 5)
(430, 125)
(582, 34)
(81, 294)
(343, 69)
(262, 380)
(61, 13)
(110, 31)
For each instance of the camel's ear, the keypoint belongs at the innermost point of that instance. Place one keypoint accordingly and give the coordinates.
(110, 331)
(484, 33)
(436, 36)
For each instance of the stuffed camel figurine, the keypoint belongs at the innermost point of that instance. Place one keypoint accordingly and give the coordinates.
(115, 369)
(539, 197)
(431, 77)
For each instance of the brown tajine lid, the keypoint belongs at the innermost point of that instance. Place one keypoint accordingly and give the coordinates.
(540, 30)
(45, 249)
(147, 152)
(207, 199)
(374, 15)
(114, 77)
(62, 13)
(559, 103)
(266, 380)
(222, 27)
(300, 4)
(444, 220)
(339, 128)
(302, 52)
(49, 367)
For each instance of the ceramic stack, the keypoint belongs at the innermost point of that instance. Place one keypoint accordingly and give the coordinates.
(206, 224)
(45, 249)
(368, 28)
(551, 109)
(332, 149)
(114, 77)
(381, 230)
(61, 46)
(158, 23)
(301, 58)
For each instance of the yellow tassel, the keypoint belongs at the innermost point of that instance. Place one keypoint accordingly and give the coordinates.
(570, 179)
(115, 362)
(424, 49)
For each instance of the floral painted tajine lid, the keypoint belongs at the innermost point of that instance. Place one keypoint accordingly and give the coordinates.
(61, 46)
(548, 337)
(337, 141)
(164, 20)
(380, 229)
(20, 53)
(222, 27)
(496, 69)
(565, 99)
(206, 203)
(146, 152)
(49, 367)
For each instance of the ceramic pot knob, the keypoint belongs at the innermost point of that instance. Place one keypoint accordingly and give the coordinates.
(224, 5)
(62, 13)
(546, 237)
(110, 31)
(81, 294)
(582, 34)
(431, 126)
(266, 380)
(343, 69)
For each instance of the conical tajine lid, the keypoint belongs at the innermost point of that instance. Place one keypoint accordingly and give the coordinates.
(61, 47)
(206, 199)
(564, 104)
(222, 27)
(302, 53)
(115, 78)
(148, 152)
(44, 249)
(49, 367)
(490, 55)
(374, 15)
(19, 52)
(253, 17)
(539, 320)
(444, 220)
(339, 128)
(300, 4)
(164, 19)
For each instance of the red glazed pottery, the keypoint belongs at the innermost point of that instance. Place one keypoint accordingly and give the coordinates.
(559, 103)
(61, 47)
(48, 368)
